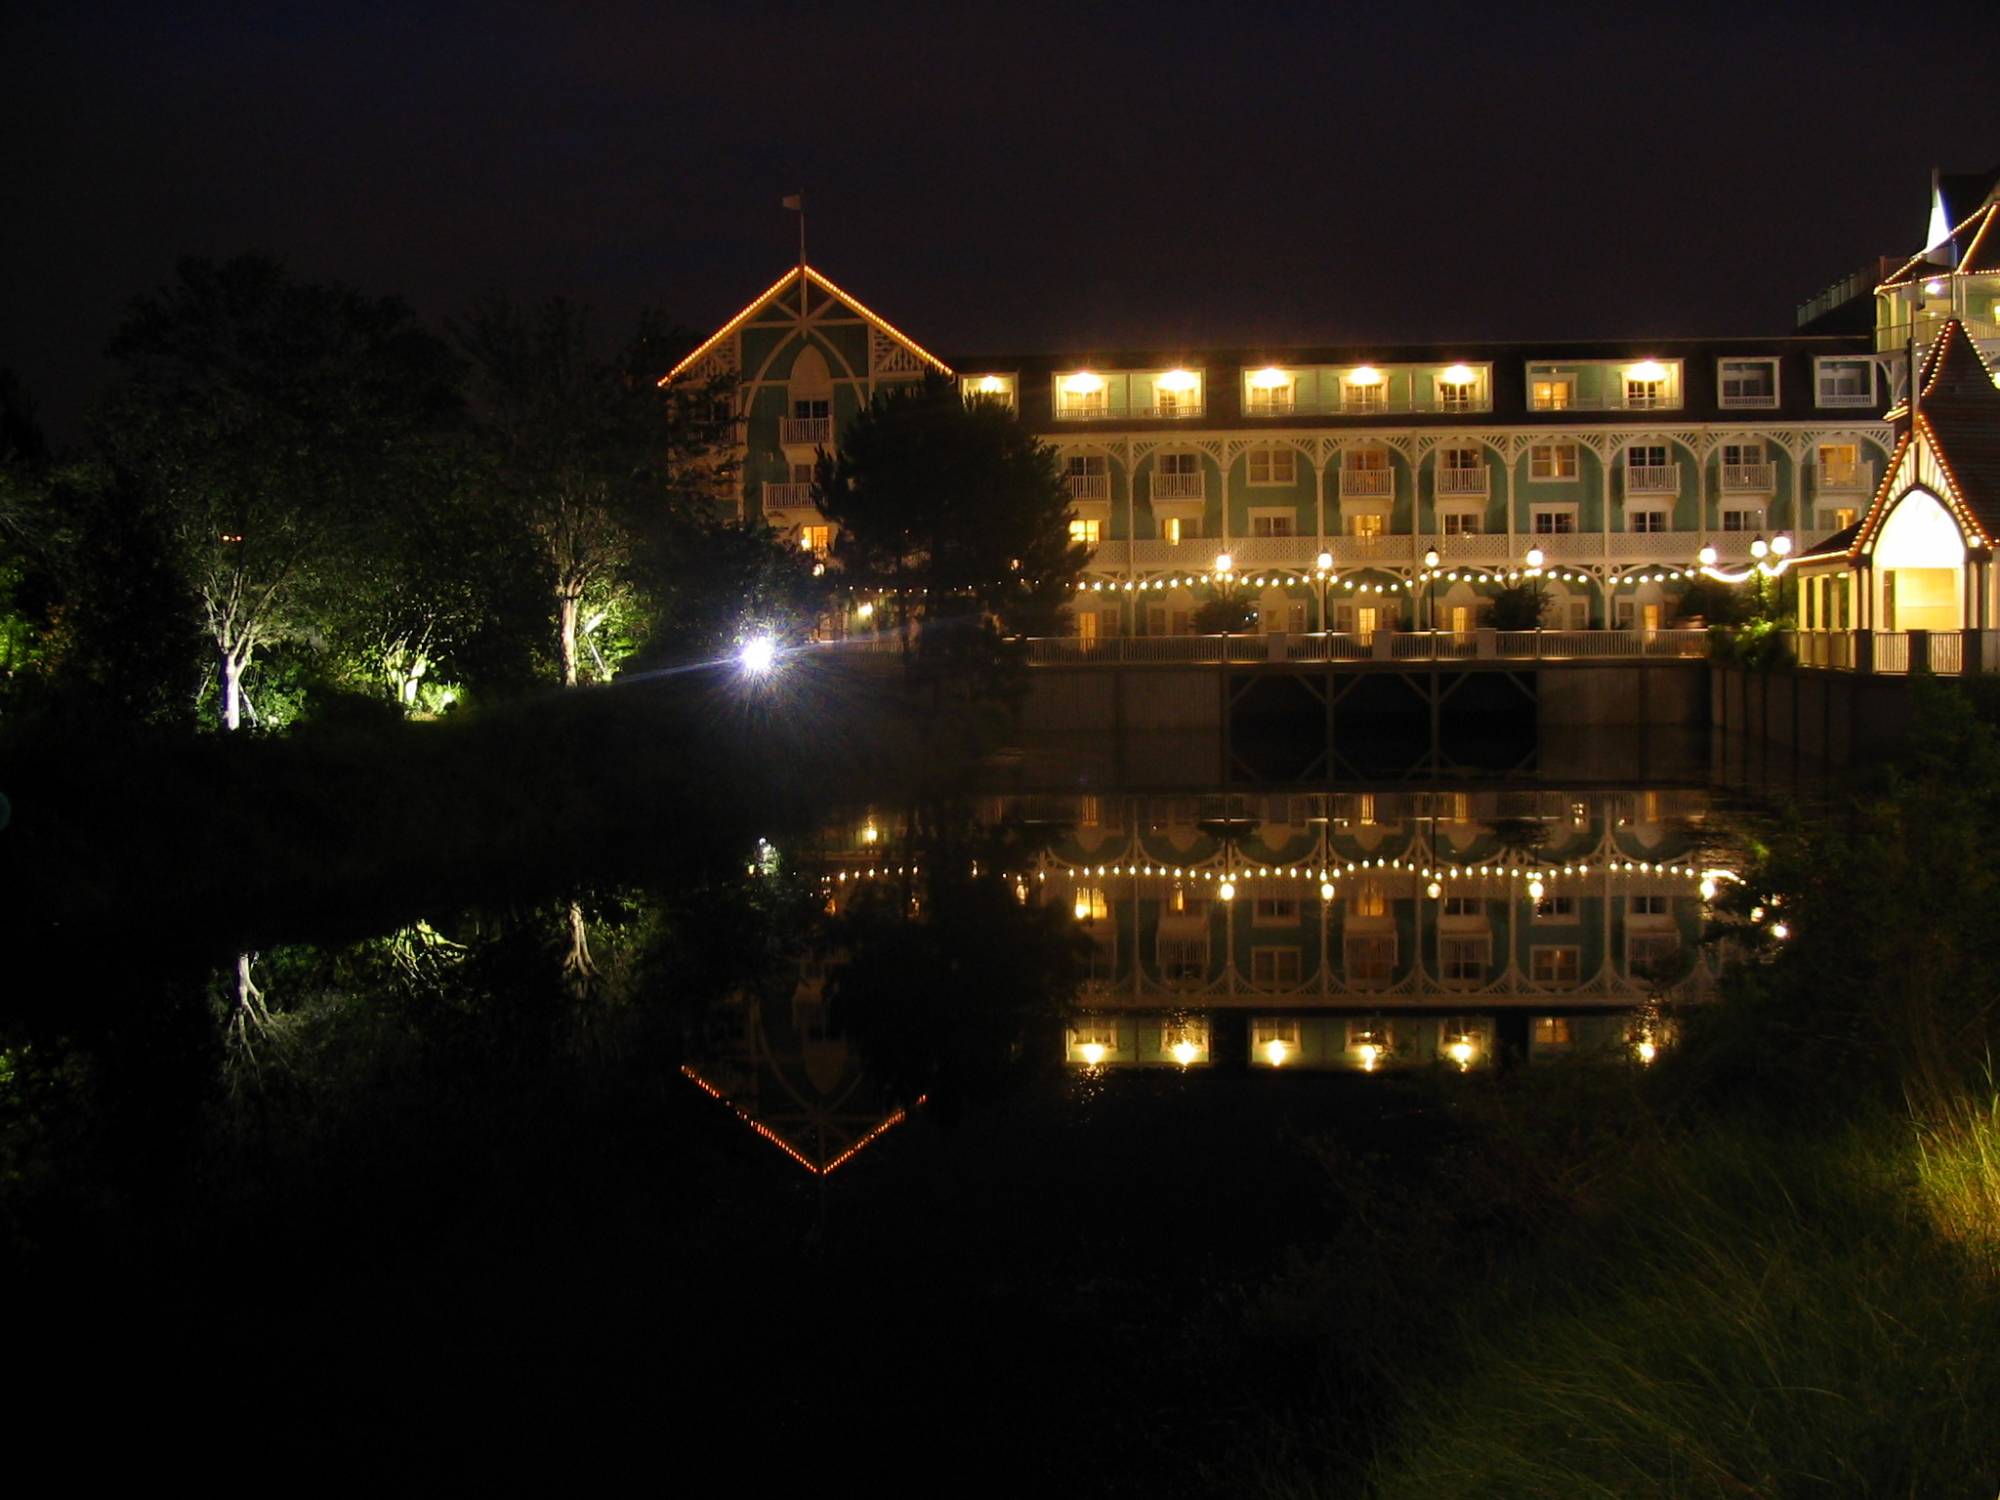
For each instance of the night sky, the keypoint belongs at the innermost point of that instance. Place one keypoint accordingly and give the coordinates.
(992, 178)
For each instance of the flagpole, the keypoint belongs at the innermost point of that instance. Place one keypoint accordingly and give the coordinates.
(796, 202)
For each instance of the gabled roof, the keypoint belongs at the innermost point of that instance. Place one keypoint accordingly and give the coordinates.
(774, 292)
(1961, 406)
(1958, 423)
(1837, 545)
(1973, 245)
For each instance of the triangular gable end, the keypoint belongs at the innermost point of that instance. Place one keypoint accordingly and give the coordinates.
(1953, 448)
(892, 352)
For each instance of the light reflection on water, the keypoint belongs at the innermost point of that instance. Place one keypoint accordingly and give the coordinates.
(1251, 933)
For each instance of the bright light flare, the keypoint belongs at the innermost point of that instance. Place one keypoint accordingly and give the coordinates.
(758, 656)
(1092, 1053)
(1277, 1052)
(1185, 1053)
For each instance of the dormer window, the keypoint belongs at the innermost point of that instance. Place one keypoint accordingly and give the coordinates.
(1748, 382)
(1846, 382)
(1000, 388)
(1081, 395)
(1270, 392)
(1552, 392)
(1177, 393)
(1365, 389)
(1460, 388)
(1645, 385)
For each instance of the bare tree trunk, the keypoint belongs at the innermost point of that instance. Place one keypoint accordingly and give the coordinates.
(578, 970)
(232, 691)
(566, 611)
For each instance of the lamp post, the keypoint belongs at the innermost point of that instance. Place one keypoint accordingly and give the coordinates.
(1324, 563)
(1431, 561)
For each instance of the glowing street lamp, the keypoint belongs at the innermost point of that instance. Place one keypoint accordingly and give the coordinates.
(757, 657)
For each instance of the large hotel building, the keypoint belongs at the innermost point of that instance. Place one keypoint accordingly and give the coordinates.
(1322, 479)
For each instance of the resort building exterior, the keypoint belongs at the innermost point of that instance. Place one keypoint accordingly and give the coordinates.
(1357, 488)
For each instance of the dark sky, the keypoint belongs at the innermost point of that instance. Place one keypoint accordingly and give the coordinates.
(989, 177)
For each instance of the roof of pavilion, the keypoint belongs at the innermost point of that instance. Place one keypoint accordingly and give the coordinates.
(1958, 423)
(1971, 203)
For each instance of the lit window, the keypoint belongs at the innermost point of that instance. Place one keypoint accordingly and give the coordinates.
(1274, 465)
(1176, 530)
(1090, 533)
(1365, 390)
(1552, 1031)
(999, 388)
(1552, 461)
(1273, 1040)
(1552, 393)
(1840, 467)
(1367, 525)
(1090, 904)
(1177, 393)
(1093, 1041)
(1272, 393)
(1458, 389)
(1644, 395)
(1081, 395)
(1749, 382)
(1185, 1041)
(815, 539)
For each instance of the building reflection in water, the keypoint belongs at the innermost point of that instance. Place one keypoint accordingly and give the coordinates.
(1365, 930)
(1289, 932)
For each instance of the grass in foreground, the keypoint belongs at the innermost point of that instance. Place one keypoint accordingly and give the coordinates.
(1755, 1315)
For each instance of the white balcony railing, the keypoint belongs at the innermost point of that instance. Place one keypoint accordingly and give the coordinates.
(1179, 486)
(1170, 411)
(1363, 484)
(815, 432)
(1653, 479)
(1844, 479)
(1088, 486)
(788, 497)
(1748, 479)
(1461, 481)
